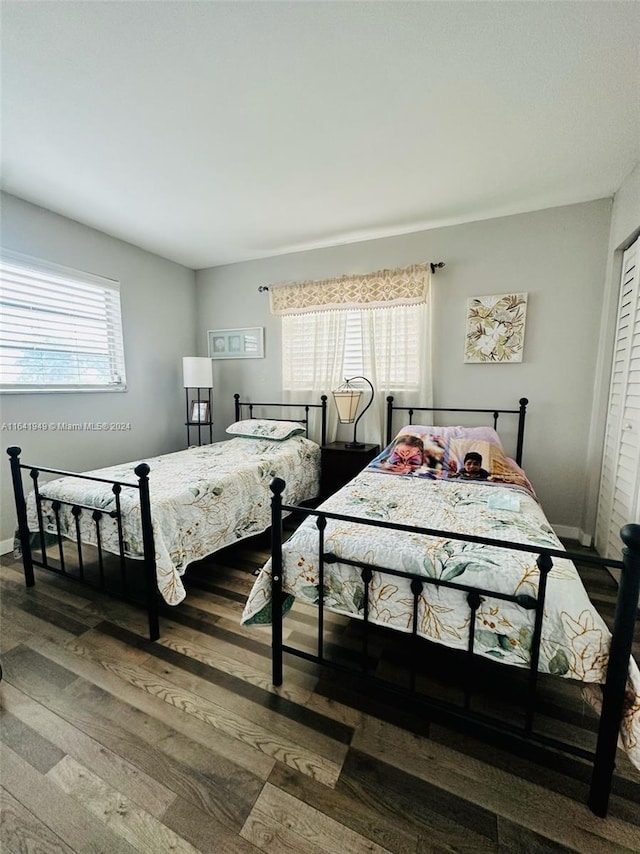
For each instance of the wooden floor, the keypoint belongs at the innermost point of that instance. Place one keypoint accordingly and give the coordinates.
(111, 743)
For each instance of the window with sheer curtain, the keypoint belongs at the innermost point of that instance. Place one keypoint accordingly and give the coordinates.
(375, 325)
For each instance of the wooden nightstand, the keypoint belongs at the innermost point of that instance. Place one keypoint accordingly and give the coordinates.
(340, 464)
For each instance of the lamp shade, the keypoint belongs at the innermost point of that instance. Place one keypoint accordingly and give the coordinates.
(347, 401)
(197, 372)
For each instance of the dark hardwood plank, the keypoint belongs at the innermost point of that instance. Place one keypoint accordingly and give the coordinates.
(26, 742)
(64, 817)
(429, 809)
(203, 831)
(221, 790)
(22, 662)
(516, 839)
(548, 812)
(21, 831)
(138, 827)
(111, 764)
(48, 596)
(293, 825)
(38, 608)
(360, 814)
(559, 773)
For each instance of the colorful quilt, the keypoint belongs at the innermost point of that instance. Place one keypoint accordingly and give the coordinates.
(575, 639)
(202, 499)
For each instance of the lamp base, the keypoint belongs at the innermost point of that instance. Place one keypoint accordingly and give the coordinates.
(354, 444)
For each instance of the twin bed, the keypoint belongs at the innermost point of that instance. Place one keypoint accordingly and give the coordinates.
(442, 538)
(183, 507)
(427, 541)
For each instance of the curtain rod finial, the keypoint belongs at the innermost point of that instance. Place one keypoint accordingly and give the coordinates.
(262, 288)
(436, 265)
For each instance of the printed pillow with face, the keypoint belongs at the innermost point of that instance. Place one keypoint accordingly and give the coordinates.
(486, 462)
(443, 453)
(415, 451)
(265, 428)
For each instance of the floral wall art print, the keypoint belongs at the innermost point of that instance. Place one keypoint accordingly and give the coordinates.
(495, 328)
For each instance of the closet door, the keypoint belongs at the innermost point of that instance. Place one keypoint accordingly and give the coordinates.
(619, 499)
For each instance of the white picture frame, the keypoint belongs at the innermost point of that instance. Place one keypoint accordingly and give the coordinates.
(246, 342)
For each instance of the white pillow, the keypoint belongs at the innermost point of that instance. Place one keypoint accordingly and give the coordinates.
(264, 428)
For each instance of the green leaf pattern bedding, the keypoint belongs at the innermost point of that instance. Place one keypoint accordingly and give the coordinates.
(202, 499)
(575, 639)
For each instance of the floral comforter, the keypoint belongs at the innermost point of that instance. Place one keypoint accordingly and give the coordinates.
(575, 639)
(202, 499)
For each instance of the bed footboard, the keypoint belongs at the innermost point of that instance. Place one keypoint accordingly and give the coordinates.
(102, 570)
(463, 716)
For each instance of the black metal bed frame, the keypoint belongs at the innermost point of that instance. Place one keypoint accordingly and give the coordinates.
(30, 560)
(510, 735)
(496, 413)
(44, 561)
(239, 404)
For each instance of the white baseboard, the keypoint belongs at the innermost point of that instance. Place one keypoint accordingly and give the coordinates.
(568, 532)
(585, 540)
(6, 546)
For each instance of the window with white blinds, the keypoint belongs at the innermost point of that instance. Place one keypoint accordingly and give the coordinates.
(60, 329)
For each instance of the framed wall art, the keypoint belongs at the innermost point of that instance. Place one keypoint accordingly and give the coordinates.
(245, 343)
(495, 329)
(199, 412)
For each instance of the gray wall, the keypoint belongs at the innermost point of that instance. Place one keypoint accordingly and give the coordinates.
(158, 314)
(561, 257)
(557, 256)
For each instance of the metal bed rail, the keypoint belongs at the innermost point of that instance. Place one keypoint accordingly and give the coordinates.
(305, 407)
(521, 412)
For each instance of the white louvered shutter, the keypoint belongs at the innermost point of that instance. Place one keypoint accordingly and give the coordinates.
(619, 499)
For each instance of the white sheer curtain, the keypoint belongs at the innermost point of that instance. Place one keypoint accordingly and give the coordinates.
(312, 359)
(397, 360)
(376, 325)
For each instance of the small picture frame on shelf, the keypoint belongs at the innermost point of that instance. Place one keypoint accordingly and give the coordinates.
(199, 411)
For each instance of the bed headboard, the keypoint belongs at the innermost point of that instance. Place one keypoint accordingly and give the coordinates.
(521, 413)
(298, 407)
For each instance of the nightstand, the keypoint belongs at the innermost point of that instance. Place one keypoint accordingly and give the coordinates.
(340, 464)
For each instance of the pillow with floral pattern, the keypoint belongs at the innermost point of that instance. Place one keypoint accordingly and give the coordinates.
(265, 428)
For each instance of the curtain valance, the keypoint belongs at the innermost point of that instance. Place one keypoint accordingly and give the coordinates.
(403, 286)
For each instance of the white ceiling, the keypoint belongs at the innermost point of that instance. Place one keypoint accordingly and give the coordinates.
(213, 132)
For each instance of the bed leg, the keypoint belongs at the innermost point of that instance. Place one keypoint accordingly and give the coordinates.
(21, 512)
(614, 689)
(151, 579)
(277, 486)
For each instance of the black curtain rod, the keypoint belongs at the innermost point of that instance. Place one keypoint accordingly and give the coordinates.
(435, 265)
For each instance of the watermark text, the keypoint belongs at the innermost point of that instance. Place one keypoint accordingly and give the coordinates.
(66, 426)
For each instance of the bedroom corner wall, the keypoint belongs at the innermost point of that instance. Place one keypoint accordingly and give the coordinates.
(558, 256)
(158, 315)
